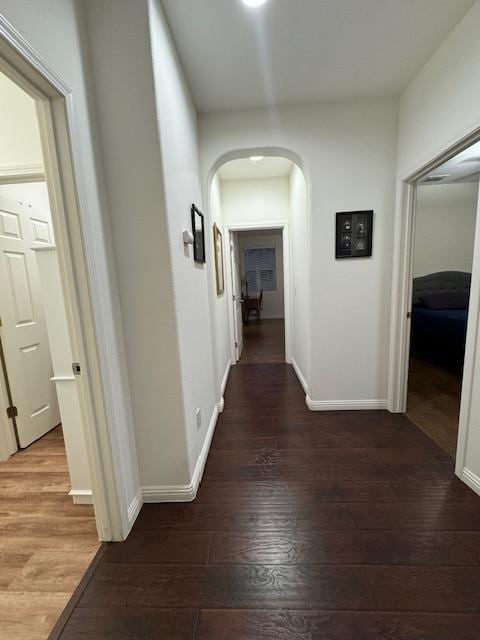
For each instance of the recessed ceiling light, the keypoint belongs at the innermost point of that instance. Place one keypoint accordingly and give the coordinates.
(256, 158)
(254, 3)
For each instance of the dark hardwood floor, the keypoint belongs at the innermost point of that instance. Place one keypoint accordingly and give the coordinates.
(307, 526)
(263, 341)
(433, 402)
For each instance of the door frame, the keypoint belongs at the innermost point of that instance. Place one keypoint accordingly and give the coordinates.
(233, 315)
(59, 134)
(287, 284)
(402, 282)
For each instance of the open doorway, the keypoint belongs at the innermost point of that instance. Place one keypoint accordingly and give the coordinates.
(443, 250)
(49, 523)
(257, 260)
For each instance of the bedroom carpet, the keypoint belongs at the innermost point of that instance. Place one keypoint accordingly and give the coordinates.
(307, 526)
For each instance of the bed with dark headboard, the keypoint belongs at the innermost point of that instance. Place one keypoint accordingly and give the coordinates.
(439, 318)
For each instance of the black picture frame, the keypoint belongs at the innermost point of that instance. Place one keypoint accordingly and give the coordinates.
(354, 234)
(198, 231)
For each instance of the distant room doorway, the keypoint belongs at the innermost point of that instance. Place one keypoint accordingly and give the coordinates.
(444, 236)
(260, 270)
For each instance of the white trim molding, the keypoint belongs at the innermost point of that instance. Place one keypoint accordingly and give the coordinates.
(22, 173)
(81, 496)
(134, 507)
(186, 492)
(223, 386)
(346, 405)
(300, 375)
(470, 479)
(169, 493)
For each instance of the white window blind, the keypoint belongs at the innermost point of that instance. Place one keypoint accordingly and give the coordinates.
(260, 269)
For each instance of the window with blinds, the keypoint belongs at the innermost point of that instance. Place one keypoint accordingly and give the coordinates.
(260, 270)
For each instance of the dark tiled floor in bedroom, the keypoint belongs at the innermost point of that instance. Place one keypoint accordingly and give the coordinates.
(307, 526)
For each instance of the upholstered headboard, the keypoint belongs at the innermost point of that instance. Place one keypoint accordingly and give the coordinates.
(441, 282)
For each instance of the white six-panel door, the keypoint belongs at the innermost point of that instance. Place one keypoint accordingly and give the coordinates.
(23, 331)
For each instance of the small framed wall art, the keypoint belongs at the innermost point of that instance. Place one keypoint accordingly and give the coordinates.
(218, 250)
(198, 230)
(354, 233)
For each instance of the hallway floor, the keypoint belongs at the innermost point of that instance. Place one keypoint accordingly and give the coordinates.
(46, 541)
(307, 526)
(263, 341)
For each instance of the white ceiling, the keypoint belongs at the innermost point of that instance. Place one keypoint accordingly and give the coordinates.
(299, 51)
(464, 167)
(246, 169)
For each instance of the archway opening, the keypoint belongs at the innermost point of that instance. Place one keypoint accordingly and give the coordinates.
(259, 206)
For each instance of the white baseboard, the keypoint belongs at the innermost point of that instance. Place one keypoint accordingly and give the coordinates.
(223, 386)
(134, 508)
(187, 492)
(300, 375)
(169, 493)
(345, 405)
(81, 496)
(471, 479)
(202, 458)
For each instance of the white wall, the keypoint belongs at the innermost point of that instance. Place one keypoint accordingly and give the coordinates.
(254, 201)
(445, 228)
(65, 53)
(151, 164)
(442, 103)
(273, 301)
(119, 34)
(300, 267)
(18, 128)
(348, 150)
(192, 283)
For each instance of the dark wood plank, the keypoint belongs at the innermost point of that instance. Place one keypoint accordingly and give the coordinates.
(311, 471)
(263, 341)
(453, 490)
(347, 547)
(151, 547)
(313, 625)
(227, 586)
(433, 402)
(228, 517)
(130, 624)
(418, 516)
(298, 494)
(442, 589)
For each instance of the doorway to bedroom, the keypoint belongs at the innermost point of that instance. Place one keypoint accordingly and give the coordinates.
(442, 258)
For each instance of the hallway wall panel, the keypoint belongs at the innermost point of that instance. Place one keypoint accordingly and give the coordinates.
(348, 150)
